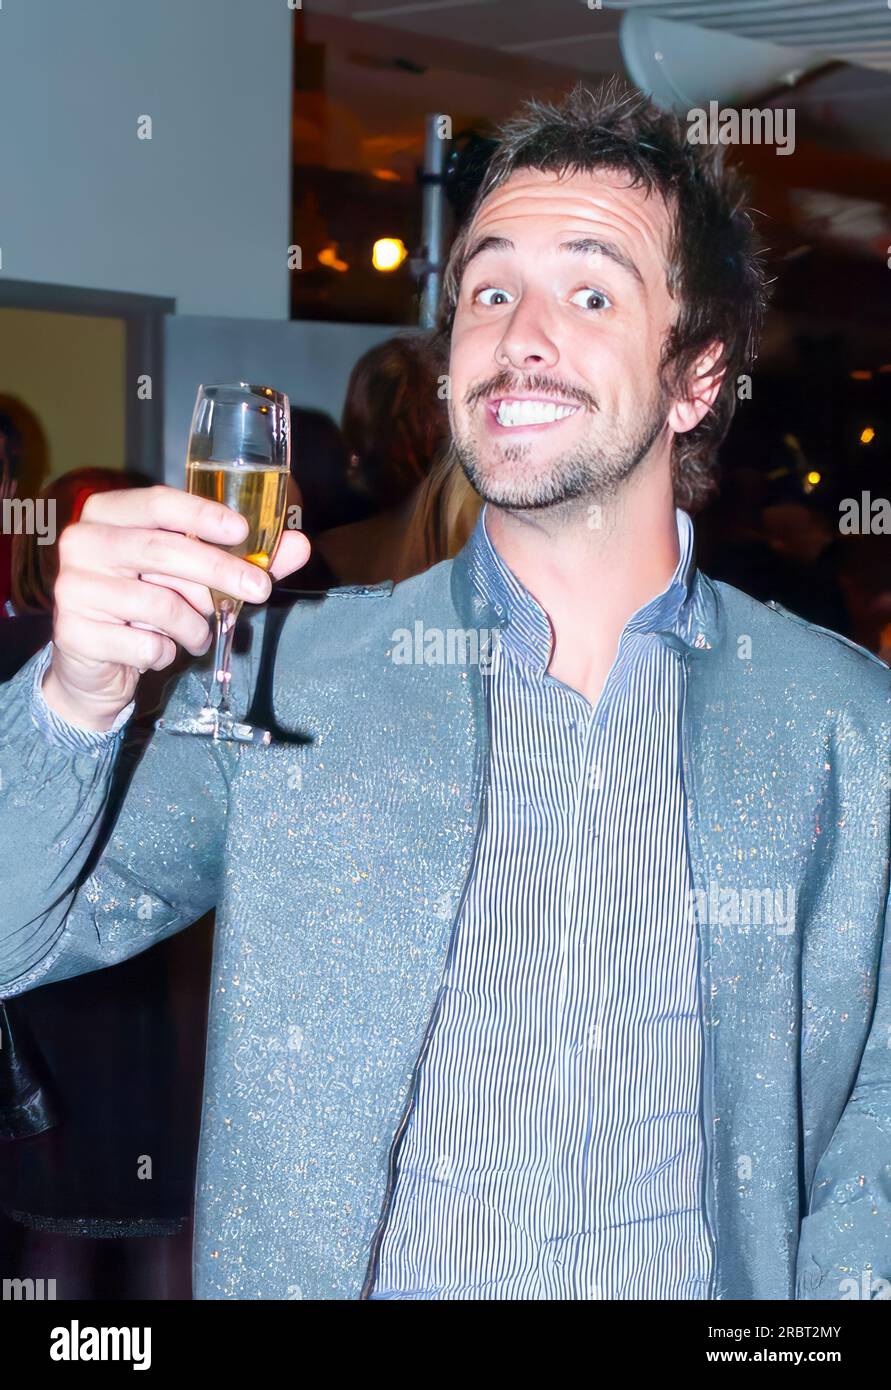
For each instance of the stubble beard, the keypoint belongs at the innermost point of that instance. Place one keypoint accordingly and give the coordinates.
(591, 471)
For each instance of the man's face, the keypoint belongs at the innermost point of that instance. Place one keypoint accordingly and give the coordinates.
(555, 350)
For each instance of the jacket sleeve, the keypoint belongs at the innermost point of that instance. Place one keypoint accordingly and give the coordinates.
(101, 854)
(844, 1249)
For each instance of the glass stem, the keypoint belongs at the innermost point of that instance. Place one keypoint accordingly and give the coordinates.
(226, 616)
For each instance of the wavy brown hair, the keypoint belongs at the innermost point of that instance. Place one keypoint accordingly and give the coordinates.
(445, 512)
(715, 269)
(395, 419)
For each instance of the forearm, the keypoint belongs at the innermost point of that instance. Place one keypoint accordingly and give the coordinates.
(98, 862)
(51, 799)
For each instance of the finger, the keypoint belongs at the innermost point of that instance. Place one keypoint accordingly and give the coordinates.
(198, 595)
(170, 509)
(292, 554)
(131, 551)
(85, 639)
(130, 601)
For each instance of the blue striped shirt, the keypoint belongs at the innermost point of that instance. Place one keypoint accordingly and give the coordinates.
(554, 1150)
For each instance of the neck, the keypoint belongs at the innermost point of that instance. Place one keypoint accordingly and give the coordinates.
(591, 570)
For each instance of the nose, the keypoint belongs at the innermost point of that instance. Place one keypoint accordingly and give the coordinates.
(525, 342)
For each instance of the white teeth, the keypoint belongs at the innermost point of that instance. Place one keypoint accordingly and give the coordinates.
(532, 412)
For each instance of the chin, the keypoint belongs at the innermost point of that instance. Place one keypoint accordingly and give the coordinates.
(512, 481)
(515, 495)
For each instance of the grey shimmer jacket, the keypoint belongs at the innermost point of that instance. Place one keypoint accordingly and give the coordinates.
(338, 863)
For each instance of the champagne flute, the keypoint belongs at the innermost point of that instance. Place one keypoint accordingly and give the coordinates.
(239, 454)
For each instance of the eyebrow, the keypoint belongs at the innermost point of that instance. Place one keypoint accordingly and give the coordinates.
(579, 246)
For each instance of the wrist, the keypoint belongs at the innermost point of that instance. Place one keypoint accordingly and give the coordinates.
(78, 709)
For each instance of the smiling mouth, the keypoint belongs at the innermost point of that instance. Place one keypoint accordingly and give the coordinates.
(515, 414)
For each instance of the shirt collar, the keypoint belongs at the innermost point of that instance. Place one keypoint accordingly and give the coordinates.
(525, 626)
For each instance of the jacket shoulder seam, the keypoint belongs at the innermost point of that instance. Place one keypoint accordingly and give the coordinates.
(774, 607)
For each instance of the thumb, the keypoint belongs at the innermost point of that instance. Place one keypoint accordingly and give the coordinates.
(292, 553)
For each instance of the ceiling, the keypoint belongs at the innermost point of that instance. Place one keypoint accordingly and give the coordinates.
(586, 35)
(856, 31)
(560, 31)
(482, 55)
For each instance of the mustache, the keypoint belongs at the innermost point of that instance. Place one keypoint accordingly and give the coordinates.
(507, 384)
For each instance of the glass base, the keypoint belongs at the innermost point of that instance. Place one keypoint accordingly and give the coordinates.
(212, 723)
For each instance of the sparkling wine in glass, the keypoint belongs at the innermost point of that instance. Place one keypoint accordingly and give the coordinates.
(239, 454)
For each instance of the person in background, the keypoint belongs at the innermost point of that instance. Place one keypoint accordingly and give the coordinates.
(734, 546)
(10, 456)
(320, 485)
(865, 578)
(807, 552)
(395, 422)
(445, 512)
(320, 473)
(24, 467)
(34, 565)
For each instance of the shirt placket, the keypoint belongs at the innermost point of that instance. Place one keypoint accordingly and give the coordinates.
(563, 1257)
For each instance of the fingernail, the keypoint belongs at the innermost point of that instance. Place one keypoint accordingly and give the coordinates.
(258, 584)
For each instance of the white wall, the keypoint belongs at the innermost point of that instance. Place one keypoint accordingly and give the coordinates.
(310, 362)
(200, 212)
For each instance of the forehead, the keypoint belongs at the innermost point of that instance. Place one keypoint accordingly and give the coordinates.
(534, 206)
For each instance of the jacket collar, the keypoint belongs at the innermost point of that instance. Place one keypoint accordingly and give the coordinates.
(688, 616)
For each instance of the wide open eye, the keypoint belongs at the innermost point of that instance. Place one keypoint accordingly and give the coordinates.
(490, 290)
(587, 294)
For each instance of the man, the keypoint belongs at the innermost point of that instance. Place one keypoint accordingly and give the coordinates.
(553, 974)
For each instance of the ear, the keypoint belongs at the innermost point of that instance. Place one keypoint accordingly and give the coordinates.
(702, 388)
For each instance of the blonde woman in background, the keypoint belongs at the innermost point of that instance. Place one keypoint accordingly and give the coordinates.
(445, 513)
